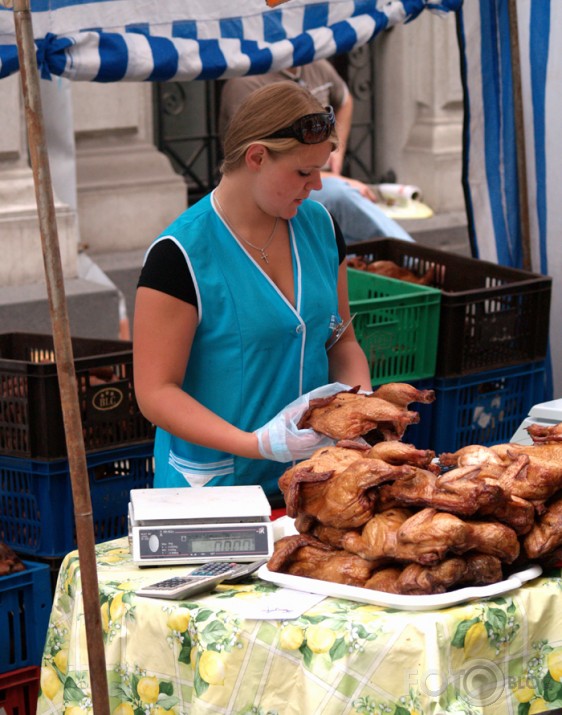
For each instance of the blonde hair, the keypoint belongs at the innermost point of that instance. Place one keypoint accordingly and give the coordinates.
(263, 112)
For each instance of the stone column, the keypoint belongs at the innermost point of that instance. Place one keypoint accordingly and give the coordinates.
(127, 190)
(419, 109)
(20, 240)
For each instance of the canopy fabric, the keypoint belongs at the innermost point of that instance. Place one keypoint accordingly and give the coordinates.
(491, 178)
(151, 40)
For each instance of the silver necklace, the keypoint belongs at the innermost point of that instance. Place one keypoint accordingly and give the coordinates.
(261, 249)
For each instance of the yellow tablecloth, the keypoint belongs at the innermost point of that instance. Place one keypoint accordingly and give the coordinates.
(501, 656)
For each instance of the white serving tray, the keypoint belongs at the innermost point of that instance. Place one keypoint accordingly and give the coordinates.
(391, 600)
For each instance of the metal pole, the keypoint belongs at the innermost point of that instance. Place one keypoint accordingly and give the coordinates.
(520, 136)
(63, 354)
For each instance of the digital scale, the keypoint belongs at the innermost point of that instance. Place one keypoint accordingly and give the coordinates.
(546, 414)
(199, 524)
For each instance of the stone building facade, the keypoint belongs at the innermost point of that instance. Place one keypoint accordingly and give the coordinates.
(124, 191)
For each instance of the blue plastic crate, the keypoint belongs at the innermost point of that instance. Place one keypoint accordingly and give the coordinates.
(485, 408)
(25, 607)
(36, 507)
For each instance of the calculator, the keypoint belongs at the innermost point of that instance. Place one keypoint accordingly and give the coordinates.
(201, 580)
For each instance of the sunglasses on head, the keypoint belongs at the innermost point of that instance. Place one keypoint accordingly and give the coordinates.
(310, 129)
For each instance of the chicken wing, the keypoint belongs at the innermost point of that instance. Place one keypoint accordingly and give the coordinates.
(396, 452)
(403, 394)
(542, 434)
(546, 534)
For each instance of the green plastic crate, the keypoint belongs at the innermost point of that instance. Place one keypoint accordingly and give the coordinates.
(396, 324)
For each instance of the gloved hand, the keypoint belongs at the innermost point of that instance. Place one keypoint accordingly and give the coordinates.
(280, 439)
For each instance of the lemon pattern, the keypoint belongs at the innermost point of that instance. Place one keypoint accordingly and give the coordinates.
(198, 657)
(117, 607)
(138, 692)
(489, 633)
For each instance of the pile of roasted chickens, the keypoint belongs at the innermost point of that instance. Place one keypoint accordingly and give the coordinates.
(391, 517)
(390, 269)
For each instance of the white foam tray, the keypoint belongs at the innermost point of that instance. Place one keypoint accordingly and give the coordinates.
(390, 600)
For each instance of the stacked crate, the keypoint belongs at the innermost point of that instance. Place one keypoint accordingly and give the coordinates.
(36, 507)
(396, 324)
(25, 604)
(491, 347)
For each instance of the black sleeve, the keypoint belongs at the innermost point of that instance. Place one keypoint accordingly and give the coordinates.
(340, 240)
(165, 269)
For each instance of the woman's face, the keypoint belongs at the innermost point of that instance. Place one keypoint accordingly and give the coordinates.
(285, 180)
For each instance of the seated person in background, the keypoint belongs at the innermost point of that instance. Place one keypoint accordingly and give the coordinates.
(351, 202)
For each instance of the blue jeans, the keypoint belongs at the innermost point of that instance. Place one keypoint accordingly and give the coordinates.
(359, 218)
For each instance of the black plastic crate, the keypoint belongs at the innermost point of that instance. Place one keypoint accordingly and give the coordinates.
(491, 316)
(31, 423)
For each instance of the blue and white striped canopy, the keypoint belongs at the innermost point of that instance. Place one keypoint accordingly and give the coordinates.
(162, 40)
(491, 177)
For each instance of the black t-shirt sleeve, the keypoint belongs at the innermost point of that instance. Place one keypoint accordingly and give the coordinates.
(340, 240)
(166, 270)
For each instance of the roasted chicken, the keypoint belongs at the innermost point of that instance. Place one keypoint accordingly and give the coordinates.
(428, 535)
(10, 562)
(336, 497)
(532, 472)
(348, 415)
(391, 269)
(418, 580)
(303, 555)
(459, 491)
(391, 517)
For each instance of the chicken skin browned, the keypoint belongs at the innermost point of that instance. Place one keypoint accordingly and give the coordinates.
(348, 416)
(338, 498)
(418, 580)
(326, 534)
(391, 517)
(395, 452)
(303, 555)
(459, 491)
(428, 535)
(403, 394)
(546, 535)
(542, 434)
(532, 472)
(390, 269)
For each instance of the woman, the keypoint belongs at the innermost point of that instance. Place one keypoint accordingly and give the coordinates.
(237, 300)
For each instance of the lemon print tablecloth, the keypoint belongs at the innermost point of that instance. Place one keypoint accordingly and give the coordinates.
(501, 656)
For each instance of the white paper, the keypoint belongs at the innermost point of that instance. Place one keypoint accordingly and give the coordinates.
(283, 604)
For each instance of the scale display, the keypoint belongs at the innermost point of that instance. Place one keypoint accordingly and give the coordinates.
(185, 526)
(203, 543)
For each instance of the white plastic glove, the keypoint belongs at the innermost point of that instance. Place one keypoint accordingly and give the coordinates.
(280, 440)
